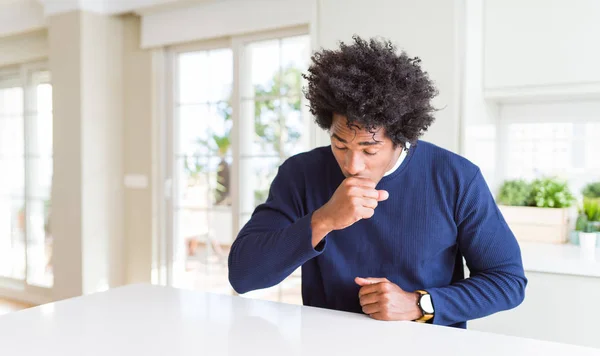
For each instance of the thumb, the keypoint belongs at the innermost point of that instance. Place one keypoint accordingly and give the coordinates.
(383, 195)
(367, 281)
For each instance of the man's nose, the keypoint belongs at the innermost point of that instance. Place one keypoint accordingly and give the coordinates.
(354, 163)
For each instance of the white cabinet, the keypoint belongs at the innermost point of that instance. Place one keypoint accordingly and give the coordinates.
(559, 308)
(541, 45)
(561, 298)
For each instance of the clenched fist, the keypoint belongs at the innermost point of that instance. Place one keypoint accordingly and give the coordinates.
(355, 199)
(384, 300)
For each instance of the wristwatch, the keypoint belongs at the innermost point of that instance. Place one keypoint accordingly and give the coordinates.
(426, 305)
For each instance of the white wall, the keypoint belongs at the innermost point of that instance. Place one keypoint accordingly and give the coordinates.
(23, 48)
(19, 17)
(138, 152)
(65, 66)
(541, 42)
(87, 193)
(222, 18)
(102, 151)
(479, 117)
(428, 29)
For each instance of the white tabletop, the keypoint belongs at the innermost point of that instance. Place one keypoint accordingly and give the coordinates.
(151, 321)
(559, 259)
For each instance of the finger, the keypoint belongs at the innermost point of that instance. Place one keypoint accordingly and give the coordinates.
(378, 316)
(361, 281)
(362, 192)
(371, 308)
(366, 213)
(383, 195)
(371, 288)
(370, 193)
(360, 181)
(370, 299)
(369, 203)
(372, 280)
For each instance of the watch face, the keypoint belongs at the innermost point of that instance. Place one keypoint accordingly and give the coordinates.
(426, 304)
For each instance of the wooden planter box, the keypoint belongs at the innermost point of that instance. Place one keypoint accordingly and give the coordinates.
(537, 224)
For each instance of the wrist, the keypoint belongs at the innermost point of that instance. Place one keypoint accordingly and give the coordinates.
(320, 226)
(418, 313)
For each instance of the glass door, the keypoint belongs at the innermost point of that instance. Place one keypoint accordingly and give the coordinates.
(26, 164)
(201, 163)
(237, 113)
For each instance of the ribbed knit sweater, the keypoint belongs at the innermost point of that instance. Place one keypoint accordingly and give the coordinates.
(439, 210)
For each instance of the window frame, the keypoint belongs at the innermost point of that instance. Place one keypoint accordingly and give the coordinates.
(22, 75)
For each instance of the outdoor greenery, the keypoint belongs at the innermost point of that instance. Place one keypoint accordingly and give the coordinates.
(270, 133)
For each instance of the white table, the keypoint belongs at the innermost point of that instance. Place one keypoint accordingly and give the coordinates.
(149, 320)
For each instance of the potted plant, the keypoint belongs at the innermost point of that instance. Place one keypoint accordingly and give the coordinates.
(537, 211)
(514, 193)
(588, 225)
(590, 192)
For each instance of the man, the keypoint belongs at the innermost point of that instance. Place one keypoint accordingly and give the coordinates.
(380, 221)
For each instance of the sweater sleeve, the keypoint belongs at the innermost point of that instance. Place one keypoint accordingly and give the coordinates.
(276, 240)
(497, 281)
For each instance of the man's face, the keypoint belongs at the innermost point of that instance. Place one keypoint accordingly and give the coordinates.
(361, 153)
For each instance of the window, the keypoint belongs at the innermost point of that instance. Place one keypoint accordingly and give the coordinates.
(272, 100)
(238, 113)
(25, 183)
(550, 139)
(565, 149)
(202, 209)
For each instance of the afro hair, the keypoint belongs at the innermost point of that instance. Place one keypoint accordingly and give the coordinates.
(374, 87)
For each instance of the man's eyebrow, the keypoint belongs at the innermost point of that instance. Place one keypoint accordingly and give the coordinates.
(339, 138)
(364, 143)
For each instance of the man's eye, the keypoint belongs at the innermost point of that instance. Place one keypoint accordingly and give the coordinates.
(341, 148)
(369, 153)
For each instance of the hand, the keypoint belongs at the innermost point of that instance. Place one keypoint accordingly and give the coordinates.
(355, 199)
(384, 300)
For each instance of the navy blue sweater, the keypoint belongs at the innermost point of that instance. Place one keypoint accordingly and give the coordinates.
(439, 210)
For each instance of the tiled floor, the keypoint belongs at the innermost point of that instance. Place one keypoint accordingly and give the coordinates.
(7, 306)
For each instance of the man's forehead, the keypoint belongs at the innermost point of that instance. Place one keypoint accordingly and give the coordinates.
(355, 131)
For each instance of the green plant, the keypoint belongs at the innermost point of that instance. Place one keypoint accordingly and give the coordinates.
(592, 190)
(284, 83)
(581, 223)
(514, 192)
(550, 193)
(591, 209)
(217, 145)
